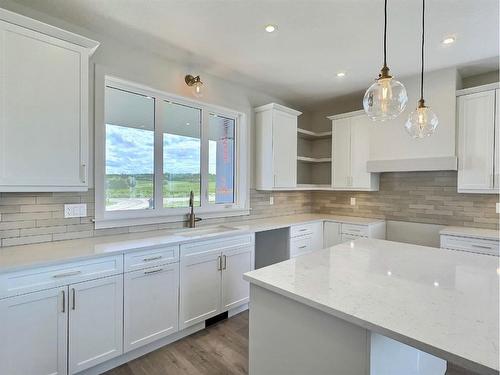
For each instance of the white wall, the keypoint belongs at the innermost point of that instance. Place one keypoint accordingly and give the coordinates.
(134, 63)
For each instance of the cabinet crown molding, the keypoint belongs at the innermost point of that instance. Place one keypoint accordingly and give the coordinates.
(41, 27)
(278, 107)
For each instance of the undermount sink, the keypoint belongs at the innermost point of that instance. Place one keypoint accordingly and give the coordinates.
(205, 231)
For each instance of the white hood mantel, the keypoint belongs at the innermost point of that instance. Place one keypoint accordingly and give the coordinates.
(443, 163)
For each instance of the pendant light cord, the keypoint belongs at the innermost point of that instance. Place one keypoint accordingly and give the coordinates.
(423, 38)
(385, 33)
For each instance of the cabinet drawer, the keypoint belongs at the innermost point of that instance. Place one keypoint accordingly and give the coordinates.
(355, 230)
(150, 258)
(474, 245)
(306, 229)
(198, 248)
(301, 245)
(25, 281)
(350, 237)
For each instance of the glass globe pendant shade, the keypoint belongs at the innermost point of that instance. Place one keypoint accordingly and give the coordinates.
(385, 99)
(422, 122)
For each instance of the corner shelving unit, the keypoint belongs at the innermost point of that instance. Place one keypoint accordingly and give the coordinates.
(314, 160)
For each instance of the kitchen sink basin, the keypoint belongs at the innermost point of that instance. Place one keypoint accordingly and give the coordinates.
(205, 231)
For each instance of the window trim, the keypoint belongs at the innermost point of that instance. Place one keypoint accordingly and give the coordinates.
(160, 214)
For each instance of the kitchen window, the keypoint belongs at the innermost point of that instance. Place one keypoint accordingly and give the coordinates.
(154, 148)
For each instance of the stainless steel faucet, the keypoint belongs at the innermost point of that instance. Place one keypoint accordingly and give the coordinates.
(192, 219)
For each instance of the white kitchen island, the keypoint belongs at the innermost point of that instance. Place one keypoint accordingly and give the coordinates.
(375, 307)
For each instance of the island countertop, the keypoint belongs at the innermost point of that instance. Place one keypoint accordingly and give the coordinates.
(440, 301)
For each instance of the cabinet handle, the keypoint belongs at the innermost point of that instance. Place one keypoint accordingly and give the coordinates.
(152, 258)
(67, 274)
(73, 296)
(83, 172)
(224, 262)
(153, 271)
(481, 247)
(219, 263)
(491, 181)
(63, 301)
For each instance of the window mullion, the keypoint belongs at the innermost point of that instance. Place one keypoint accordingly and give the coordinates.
(158, 156)
(204, 157)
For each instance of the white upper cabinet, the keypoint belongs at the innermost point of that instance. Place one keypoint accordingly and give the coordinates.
(44, 106)
(477, 120)
(350, 153)
(496, 162)
(276, 147)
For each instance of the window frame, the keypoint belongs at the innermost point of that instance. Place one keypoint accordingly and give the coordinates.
(160, 214)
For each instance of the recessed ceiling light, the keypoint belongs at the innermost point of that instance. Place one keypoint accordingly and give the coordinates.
(341, 74)
(448, 40)
(270, 28)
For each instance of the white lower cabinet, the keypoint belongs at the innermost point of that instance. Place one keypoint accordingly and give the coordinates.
(150, 305)
(332, 234)
(235, 290)
(95, 322)
(305, 238)
(33, 333)
(200, 287)
(211, 277)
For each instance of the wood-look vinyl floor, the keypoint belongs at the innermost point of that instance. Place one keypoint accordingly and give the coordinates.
(221, 349)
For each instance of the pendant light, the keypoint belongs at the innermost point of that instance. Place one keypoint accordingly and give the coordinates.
(422, 122)
(386, 98)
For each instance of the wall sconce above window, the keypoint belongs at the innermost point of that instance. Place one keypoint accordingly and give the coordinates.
(195, 83)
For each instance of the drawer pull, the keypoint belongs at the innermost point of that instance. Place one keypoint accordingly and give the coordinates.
(63, 301)
(152, 258)
(303, 230)
(153, 271)
(67, 274)
(302, 247)
(481, 246)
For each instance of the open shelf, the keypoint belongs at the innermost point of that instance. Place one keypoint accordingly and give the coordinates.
(307, 134)
(314, 160)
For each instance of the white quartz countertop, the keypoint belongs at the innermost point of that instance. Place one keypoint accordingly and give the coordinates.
(443, 302)
(49, 253)
(489, 234)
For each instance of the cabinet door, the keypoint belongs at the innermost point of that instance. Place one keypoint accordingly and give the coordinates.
(341, 153)
(284, 150)
(360, 152)
(150, 305)
(43, 98)
(476, 123)
(235, 290)
(496, 162)
(95, 322)
(332, 234)
(33, 333)
(200, 282)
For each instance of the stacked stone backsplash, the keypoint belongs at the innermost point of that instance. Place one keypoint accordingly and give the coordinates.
(39, 217)
(421, 197)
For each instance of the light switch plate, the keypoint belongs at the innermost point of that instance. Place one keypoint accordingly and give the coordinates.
(353, 201)
(271, 200)
(75, 210)
(498, 208)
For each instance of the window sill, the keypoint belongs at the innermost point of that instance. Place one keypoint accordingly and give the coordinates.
(117, 223)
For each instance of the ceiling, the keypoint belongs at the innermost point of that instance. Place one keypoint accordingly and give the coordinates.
(315, 38)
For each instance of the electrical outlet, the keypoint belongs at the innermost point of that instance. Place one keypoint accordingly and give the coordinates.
(498, 208)
(75, 210)
(353, 201)
(271, 200)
